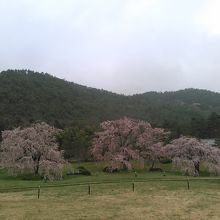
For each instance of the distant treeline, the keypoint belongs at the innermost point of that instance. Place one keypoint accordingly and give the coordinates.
(27, 97)
(200, 127)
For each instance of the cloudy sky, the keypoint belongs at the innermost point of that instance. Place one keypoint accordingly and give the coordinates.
(125, 46)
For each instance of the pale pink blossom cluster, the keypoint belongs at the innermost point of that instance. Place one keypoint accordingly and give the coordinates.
(32, 150)
(188, 154)
(127, 139)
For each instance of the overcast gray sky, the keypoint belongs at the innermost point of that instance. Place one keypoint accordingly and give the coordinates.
(125, 46)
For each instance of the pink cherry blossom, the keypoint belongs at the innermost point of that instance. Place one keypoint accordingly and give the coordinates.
(33, 150)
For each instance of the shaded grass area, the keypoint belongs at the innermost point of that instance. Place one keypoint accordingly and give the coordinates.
(25, 181)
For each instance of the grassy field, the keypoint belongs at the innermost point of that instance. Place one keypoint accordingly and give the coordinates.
(155, 196)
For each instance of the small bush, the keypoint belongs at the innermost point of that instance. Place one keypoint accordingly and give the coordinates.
(83, 171)
(166, 161)
(110, 169)
(155, 170)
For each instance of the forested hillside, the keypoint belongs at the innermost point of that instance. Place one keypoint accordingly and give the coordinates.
(27, 96)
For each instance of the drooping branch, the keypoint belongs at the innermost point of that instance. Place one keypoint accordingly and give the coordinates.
(29, 150)
(187, 154)
(126, 139)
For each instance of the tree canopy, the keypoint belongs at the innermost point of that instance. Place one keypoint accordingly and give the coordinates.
(32, 150)
(188, 154)
(28, 97)
(126, 139)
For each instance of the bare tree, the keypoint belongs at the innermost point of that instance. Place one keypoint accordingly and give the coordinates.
(187, 154)
(32, 150)
(126, 139)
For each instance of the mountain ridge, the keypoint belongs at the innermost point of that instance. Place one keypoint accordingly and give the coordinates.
(27, 96)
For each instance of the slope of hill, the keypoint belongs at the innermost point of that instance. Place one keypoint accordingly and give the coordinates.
(27, 96)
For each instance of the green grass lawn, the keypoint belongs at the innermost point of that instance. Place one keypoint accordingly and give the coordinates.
(155, 196)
